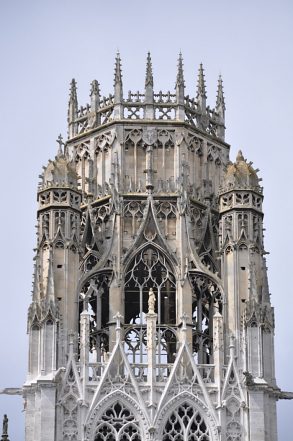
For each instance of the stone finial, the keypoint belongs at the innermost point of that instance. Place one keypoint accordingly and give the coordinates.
(220, 103)
(95, 88)
(149, 111)
(72, 109)
(73, 94)
(118, 70)
(180, 74)
(179, 87)
(95, 95)
(151, 301)
(239, 157)
(201, 88)
(118, 89)
(149, 80)
(60, 143)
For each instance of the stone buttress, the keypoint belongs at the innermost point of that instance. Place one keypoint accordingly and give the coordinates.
(151, 315)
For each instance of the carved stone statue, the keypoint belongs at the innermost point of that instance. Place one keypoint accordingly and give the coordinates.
(152, 301)
(5, 425)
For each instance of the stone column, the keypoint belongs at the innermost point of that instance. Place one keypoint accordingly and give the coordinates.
(84, 349)
(151, 319)
(218, 347)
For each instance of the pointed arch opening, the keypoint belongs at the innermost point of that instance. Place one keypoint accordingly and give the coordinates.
(94, 297)
(206, 297)
(185, 423)
(150, 269)
(118, 423)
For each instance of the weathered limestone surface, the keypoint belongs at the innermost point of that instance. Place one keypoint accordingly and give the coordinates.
(151, 316)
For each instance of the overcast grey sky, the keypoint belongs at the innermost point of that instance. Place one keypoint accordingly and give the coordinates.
(45, 43)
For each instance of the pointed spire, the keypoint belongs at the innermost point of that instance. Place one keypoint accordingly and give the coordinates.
(72, 109)
(50, 295)
(149, 112)
(201, 87)
(118, 70)
(220, 103)
(118, 89)
(180, 111)
(220, 110)
(36, 283)
(180, 75)
(73, 94)
(149, 80)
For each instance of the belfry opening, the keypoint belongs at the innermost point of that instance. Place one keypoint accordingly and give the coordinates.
(151, 317)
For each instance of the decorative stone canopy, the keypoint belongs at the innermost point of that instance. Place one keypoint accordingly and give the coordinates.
(59, 172)
(241, 174)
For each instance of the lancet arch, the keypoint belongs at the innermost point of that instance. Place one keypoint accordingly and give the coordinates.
(186, 418)
(94, 297)
(150, 268)
(206, 296)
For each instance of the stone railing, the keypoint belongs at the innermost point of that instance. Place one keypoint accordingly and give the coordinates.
(133, 107)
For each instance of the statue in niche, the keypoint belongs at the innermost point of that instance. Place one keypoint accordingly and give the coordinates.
(151, 301)
(5, 425)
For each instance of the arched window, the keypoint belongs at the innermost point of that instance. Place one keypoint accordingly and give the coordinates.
(185, 424)
(94, 297)
(117, 424)
(150, 269)
(206, 296)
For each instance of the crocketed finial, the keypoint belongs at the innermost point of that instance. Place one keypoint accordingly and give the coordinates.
(95, 88)
(149, 80)
(201, 88)
(118, 70)
(72, 93)
(220, 103)
(180, 75)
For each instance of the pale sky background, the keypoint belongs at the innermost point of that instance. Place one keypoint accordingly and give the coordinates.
(45, 43)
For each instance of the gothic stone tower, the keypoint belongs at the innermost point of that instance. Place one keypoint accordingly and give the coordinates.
(151, 315)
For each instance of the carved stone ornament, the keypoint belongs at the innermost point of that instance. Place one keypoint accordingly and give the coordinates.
(179, 136)
(149, 135)
(105, 140)
(151, 301)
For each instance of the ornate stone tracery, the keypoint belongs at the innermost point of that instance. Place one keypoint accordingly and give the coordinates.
(151, 317)
(184, 424)
(117, 424)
